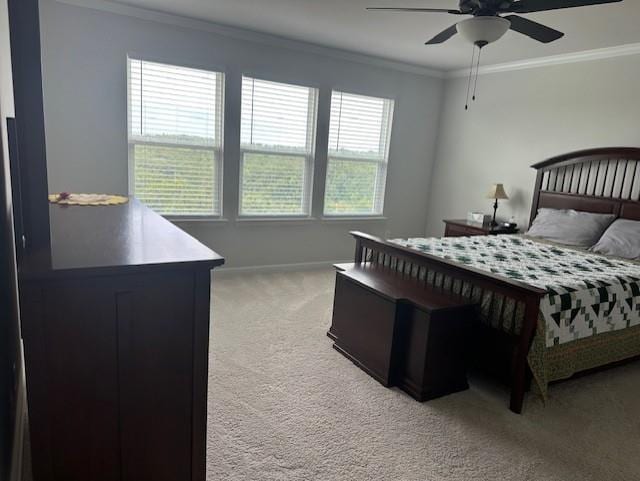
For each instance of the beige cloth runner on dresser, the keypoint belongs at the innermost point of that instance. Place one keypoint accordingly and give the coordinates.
(87, 199)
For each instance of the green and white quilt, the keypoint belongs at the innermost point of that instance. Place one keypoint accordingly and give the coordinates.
(587, 294)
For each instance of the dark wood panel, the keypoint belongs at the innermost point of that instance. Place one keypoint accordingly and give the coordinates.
(555, 200)
(201, 333)
(630, 210)
(364, 326)
(155, 367)
(435, 353)
(82, 403)
(24, 27)
(36, 354)
(458, 231)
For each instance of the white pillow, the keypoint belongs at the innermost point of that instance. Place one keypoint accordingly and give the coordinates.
(570, 227)
(621, 239)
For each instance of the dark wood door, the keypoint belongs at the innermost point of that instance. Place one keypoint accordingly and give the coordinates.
(155, 330)
(364, 323)
(72, 383)
(110, 377)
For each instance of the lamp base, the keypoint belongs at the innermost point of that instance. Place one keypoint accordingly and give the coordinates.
(495, 210)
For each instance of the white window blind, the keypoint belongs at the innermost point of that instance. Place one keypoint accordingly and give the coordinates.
(175, 138)
(359, 132)
(277, 143)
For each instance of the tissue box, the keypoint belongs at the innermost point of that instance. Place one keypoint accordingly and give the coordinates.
(478, 218)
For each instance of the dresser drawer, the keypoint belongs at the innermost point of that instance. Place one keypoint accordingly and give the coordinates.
(453, 230)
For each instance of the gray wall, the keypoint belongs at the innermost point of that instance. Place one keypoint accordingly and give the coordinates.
(522, 117)
(84, 62)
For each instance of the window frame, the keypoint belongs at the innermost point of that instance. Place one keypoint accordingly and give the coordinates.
(382, 162)
(217, 150)
(309, 155)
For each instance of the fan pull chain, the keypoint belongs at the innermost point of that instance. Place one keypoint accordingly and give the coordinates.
(473, 75)
(475, 83)
(473, 56)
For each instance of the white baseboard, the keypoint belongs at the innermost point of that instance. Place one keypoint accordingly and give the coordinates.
(19, 431)
(303, 266)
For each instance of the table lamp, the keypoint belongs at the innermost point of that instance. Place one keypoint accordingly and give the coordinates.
(496, 192)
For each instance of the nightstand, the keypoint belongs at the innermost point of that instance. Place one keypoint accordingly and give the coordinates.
(460, 227)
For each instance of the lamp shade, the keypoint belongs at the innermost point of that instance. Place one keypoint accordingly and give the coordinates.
(483, 29)
(497, 192)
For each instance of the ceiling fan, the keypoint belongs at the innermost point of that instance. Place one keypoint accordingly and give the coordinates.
(487, 22)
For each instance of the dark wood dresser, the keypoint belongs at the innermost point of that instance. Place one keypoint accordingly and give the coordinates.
(115, 319)
(461, 227)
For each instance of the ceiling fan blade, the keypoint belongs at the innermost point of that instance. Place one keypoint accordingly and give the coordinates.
(529, 6)
(532, 29)
(419, 10)
(443, 36)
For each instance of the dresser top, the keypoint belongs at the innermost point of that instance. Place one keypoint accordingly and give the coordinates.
(114, 239)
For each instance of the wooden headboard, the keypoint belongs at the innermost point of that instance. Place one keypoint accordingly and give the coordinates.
(605, 181)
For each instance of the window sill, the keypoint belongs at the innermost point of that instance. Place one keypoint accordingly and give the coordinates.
(278, 220)
(275, 220)
(353, 218)
(179, 220)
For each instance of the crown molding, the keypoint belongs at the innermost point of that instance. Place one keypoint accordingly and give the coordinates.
(575, 57)
(118, 8)
(252, 36)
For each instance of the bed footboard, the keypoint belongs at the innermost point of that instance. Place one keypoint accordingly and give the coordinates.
(506, 305)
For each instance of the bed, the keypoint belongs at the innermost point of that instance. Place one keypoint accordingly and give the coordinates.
(548, 312)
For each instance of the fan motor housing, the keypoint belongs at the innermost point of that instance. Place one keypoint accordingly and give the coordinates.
(483, 30)
(484, 7)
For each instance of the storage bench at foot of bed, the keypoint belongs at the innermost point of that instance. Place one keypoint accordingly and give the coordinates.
(400, 332)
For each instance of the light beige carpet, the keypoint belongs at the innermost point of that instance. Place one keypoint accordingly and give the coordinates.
(284, 405)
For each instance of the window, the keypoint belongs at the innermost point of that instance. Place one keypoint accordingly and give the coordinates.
(277, 142)
(175, 138)
(359, 133)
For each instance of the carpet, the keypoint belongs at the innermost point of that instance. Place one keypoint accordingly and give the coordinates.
(284, 405)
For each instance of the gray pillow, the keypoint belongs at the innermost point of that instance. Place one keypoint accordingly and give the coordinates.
(570, 227)
(621, 239)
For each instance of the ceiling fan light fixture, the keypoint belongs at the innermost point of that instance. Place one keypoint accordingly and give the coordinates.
(483, 30)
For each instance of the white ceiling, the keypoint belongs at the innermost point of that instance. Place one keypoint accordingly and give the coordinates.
(346, 25)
